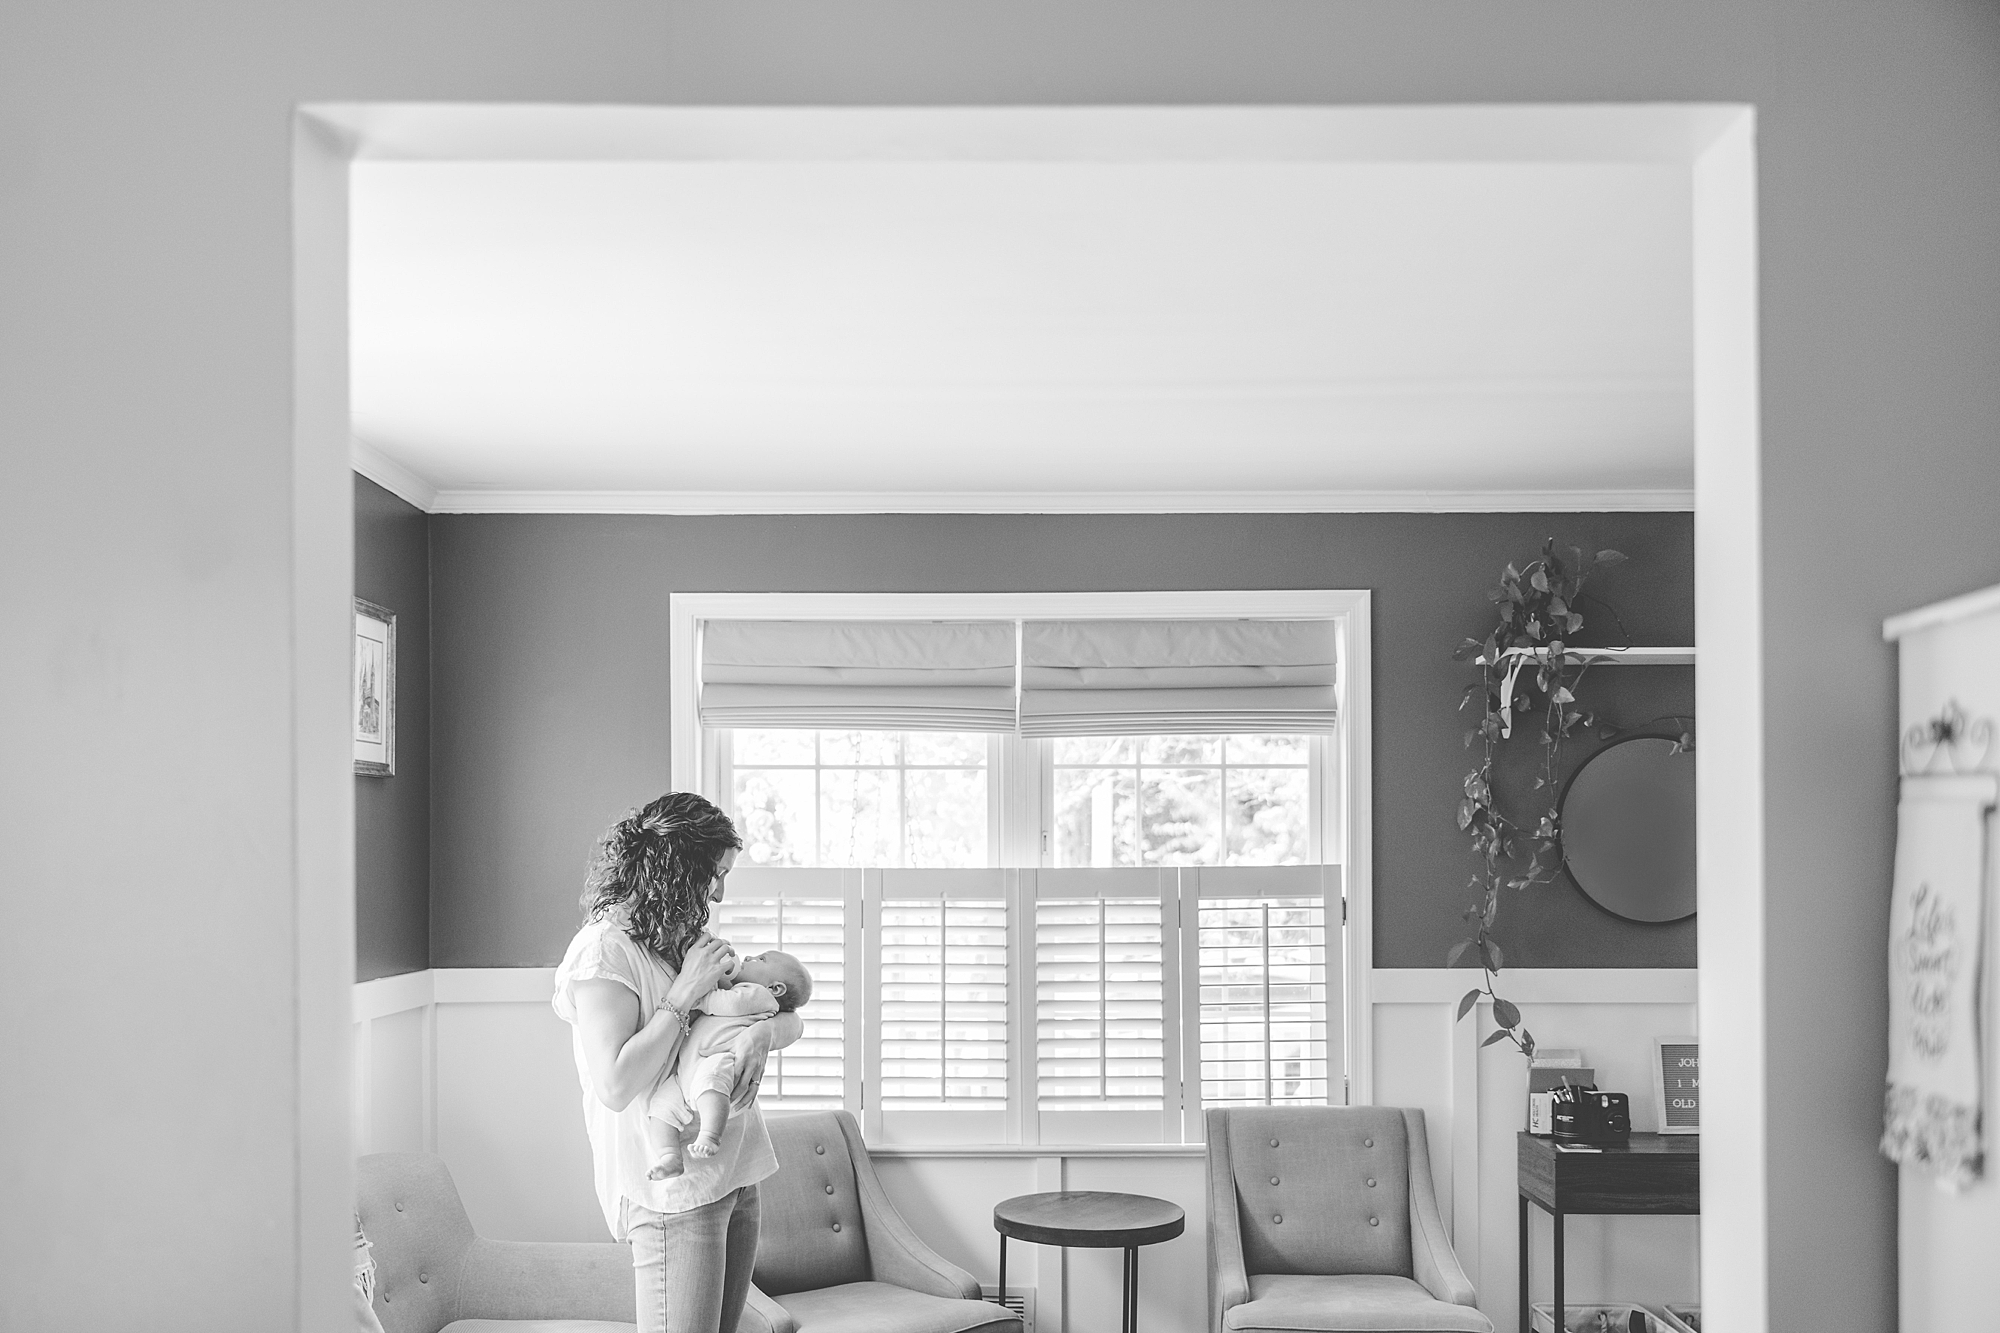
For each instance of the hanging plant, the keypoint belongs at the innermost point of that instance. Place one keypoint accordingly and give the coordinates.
(1528, 677)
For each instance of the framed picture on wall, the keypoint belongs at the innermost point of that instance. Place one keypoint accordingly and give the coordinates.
(374, 690)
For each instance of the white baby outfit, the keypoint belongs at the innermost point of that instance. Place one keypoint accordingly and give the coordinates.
(709, 1059)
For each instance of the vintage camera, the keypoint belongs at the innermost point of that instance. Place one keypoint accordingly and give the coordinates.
(1585, 1115)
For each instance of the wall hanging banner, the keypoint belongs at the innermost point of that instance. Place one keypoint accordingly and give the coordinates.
(1931, 1116)
(1124, 677)
(900, 675)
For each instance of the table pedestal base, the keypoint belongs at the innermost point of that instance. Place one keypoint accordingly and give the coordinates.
(1129, 1294)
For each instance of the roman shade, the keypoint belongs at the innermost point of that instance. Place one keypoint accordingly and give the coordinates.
(886, 675)
(1138, 677)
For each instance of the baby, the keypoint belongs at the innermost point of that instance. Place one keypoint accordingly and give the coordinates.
(699, 1085)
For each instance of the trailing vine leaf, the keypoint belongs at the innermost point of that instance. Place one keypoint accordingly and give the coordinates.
(1526, 666)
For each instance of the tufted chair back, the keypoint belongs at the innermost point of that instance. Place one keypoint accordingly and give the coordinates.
(1319, 1189)
(410, 1210)
(813, 1233)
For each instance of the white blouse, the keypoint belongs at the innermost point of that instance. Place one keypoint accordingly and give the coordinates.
(618, 1146)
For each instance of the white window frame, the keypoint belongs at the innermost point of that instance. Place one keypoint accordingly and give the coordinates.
(1343, 819)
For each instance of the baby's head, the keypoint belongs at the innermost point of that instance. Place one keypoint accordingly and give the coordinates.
(783, 975)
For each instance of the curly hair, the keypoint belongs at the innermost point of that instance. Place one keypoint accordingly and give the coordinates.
(658, 863)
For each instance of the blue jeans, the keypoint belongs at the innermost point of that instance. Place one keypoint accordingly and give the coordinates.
(692, 1269)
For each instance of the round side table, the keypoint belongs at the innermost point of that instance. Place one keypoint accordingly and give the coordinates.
(1095, 1220)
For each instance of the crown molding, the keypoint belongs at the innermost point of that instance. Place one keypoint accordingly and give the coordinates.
(1052, 502)
(391, 476)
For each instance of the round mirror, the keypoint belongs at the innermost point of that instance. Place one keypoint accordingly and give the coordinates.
(1628, 829)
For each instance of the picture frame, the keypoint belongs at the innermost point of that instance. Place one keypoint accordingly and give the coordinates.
(372, 715)
(1677, 1084)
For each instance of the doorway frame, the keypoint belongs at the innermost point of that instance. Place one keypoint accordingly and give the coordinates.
(1716, 141)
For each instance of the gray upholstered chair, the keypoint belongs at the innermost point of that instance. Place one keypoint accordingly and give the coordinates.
(1322, 1219)
(836, 1257)
(433, 1274)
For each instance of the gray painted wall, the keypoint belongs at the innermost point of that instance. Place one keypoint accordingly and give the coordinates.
(145, 400)
(551, 684)
(392, 815)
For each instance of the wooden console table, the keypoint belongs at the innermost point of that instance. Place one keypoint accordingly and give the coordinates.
(1656, 1174)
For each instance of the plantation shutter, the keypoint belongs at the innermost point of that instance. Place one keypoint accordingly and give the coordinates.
(804, 913)
(1265, 1022)
(943, 989)
(858, 675)
(1101, 1016)
(1131, 677)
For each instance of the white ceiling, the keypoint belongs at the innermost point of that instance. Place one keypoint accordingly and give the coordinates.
(766, 334)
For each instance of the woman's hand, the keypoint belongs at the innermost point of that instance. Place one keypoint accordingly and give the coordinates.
(776, 1032)
(706, 964)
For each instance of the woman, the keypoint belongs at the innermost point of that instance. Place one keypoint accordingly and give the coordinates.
(627, 986)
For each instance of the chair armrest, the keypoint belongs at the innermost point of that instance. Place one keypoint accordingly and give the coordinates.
(761, 1314)
(512, 1279)
(1228, 1283)
(895, 1252)
(1433, 1262)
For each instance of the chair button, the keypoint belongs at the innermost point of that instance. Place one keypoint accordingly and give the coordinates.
(1367, 1143)
(423, 1277)
(1277, 1217)
(1374, 1221)
(1371, 1182)
(399, 1205)
(1274, 1180)
(836, 1226)
(820, 1148)
(1274, 1143)
(829, 1189)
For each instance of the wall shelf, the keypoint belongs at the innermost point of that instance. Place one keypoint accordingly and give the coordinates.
(1646, 656)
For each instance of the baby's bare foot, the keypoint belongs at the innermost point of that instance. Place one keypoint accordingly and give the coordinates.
(705, 1146)
(667, 1168)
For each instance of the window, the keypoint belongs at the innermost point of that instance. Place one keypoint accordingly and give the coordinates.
(806, 913)
(944, 1004)
(859, 798)
(1127, 978)
(1261, 965)
(1181, 800)
(809, 1072)
(1022, 933)
(1100, 1029)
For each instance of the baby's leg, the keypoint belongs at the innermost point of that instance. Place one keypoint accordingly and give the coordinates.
(664, 1138)
(713, 1110)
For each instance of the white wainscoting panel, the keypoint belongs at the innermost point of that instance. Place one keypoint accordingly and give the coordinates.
(398, 1073)
(1173, 1276)
(509, 1122)
(473, 1064)
(1475, 1103)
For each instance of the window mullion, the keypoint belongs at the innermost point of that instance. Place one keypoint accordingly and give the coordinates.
(1173, 988)
(1264, 916)
(1188, 887)
(1023, 1089)
(871, 1003)
(1103, 1000)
